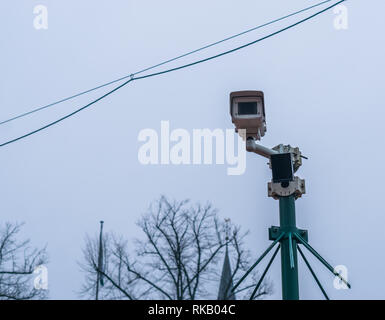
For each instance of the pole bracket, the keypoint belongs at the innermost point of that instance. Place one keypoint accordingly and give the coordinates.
(296, 155)
(275, 232)
(295, 187)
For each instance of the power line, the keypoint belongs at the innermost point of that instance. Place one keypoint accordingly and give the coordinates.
(168, 71)
(162, 63)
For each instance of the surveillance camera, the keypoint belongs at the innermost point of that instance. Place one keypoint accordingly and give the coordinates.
(247, 109)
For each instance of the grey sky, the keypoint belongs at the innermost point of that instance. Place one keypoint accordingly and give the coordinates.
(323, 91)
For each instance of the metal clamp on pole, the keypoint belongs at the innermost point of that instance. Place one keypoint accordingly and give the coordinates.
(295, 187)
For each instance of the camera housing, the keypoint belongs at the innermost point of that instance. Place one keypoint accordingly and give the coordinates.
(247, 109)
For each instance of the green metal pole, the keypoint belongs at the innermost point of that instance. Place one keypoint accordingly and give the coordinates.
(290, 290)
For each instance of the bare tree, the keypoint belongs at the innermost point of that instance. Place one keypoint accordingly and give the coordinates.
(117, 282)
(180, 257)
(18, 261)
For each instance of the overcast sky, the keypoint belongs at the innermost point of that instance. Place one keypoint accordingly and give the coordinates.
(323, 92)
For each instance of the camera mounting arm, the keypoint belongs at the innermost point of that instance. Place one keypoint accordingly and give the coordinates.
(251, 146)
